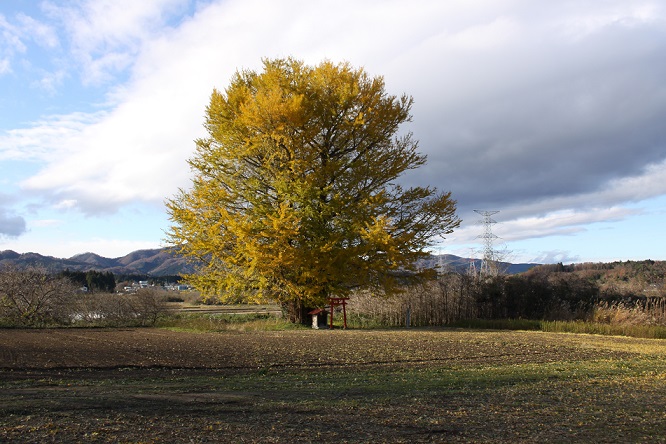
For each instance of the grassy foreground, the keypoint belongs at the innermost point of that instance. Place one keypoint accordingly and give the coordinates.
(150, 385)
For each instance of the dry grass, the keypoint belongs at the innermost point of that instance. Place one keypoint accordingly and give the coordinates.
(629, 314)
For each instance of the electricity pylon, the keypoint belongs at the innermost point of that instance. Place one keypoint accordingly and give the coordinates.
(489, 264)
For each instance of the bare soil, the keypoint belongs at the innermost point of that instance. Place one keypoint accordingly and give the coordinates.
(152, 385)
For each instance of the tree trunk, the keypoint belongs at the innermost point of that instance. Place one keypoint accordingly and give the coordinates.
(297, 312)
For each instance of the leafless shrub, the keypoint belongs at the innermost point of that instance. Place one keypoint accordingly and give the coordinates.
(449, 298)
(147, 305)
(114, 310)
(381, 311)
(33, 297)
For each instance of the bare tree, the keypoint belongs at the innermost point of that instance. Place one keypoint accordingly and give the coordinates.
(148, 304)
(114, 310)
(32, 297)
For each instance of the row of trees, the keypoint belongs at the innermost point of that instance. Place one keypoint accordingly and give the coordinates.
(93, 280)
(595, 292)
(457, 296)
(33, 297)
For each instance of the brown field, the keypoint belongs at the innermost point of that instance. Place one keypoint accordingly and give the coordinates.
(152, 385)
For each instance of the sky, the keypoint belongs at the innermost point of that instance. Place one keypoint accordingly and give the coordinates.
(551, 113)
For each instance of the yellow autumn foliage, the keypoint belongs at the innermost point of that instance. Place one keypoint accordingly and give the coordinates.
(294, 198)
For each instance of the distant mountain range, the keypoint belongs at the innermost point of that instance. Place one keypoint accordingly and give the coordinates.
(157, 262)
(462, 264)
(161, 262)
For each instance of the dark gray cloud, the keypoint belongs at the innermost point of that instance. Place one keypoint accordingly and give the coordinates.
(545, 116)
(11, 226)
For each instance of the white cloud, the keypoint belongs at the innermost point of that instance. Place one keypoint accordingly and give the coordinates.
(111, 248)
(17, 32)
(553, 257)
(5, 66)
(637, 188)
(65, 204)
(629, 14)
(64, 248)
(10, 44)
(47, 223)
(11, 40)
(107, 35)
(558, 223)
(485, 37)
(50, 139)
(51, 81)
(551, 112)
(42, 34)
(570, 215)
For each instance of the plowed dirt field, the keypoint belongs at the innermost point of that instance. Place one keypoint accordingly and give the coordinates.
(152, 385)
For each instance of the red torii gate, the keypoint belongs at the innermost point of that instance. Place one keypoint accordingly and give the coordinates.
(334, 303)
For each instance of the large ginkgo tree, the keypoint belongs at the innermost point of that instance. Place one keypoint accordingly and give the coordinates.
(294, 196)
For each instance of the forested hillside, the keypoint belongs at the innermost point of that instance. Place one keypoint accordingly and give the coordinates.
(615, 279)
